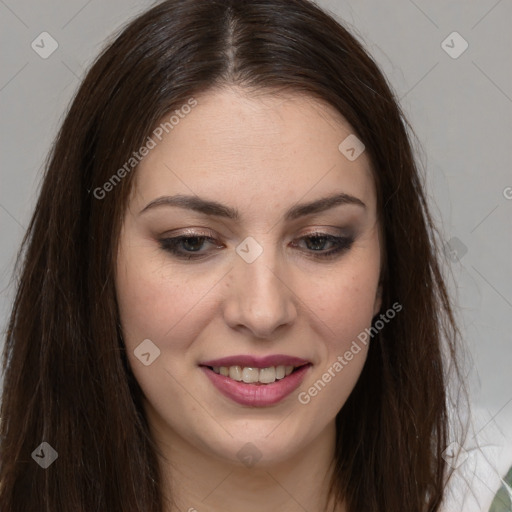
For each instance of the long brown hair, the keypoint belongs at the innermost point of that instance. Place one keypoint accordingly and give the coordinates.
(67, 381)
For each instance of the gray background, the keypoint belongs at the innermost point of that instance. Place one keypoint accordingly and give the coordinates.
(460, 109)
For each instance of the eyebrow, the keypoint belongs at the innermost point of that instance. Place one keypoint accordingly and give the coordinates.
(214, 208)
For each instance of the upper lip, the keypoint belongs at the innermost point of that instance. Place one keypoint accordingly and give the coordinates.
(256, 362)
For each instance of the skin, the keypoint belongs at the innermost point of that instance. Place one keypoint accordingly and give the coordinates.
(262, 155)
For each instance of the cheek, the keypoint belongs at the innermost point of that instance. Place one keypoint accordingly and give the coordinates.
(344, 306)
(170, 310)
(348, 311)
(165, 307)
(342, 349)
(345, 301)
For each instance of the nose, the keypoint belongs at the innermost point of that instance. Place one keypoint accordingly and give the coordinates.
(260, 297)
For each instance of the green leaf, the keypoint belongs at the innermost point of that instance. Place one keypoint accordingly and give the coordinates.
(502, 502)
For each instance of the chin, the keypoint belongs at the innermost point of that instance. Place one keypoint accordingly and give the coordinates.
(259, 445)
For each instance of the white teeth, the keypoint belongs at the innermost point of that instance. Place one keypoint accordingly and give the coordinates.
(251, 375)
(268, 375)
(235, 373)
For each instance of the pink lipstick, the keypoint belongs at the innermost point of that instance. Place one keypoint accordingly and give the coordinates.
(226, 375)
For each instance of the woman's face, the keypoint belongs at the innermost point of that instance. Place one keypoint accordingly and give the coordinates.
(280, 278)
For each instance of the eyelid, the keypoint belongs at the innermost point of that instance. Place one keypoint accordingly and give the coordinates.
(191, 232)
(209, 233)
(342, 244)
(325, 231)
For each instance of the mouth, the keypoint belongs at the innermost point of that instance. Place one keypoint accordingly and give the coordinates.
(256, 382)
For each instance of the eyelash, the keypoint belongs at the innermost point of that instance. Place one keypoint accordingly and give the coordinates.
(171, 245)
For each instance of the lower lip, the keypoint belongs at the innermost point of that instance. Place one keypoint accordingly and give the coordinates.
(257, 395)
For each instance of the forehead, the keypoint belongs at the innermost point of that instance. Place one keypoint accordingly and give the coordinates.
(236, 145)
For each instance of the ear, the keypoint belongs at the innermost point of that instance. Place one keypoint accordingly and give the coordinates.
(378, 299)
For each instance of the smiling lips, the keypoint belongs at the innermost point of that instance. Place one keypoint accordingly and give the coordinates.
(256, 381)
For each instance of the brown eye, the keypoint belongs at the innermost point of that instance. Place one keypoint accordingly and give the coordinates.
(185, 247)
(316, 243)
